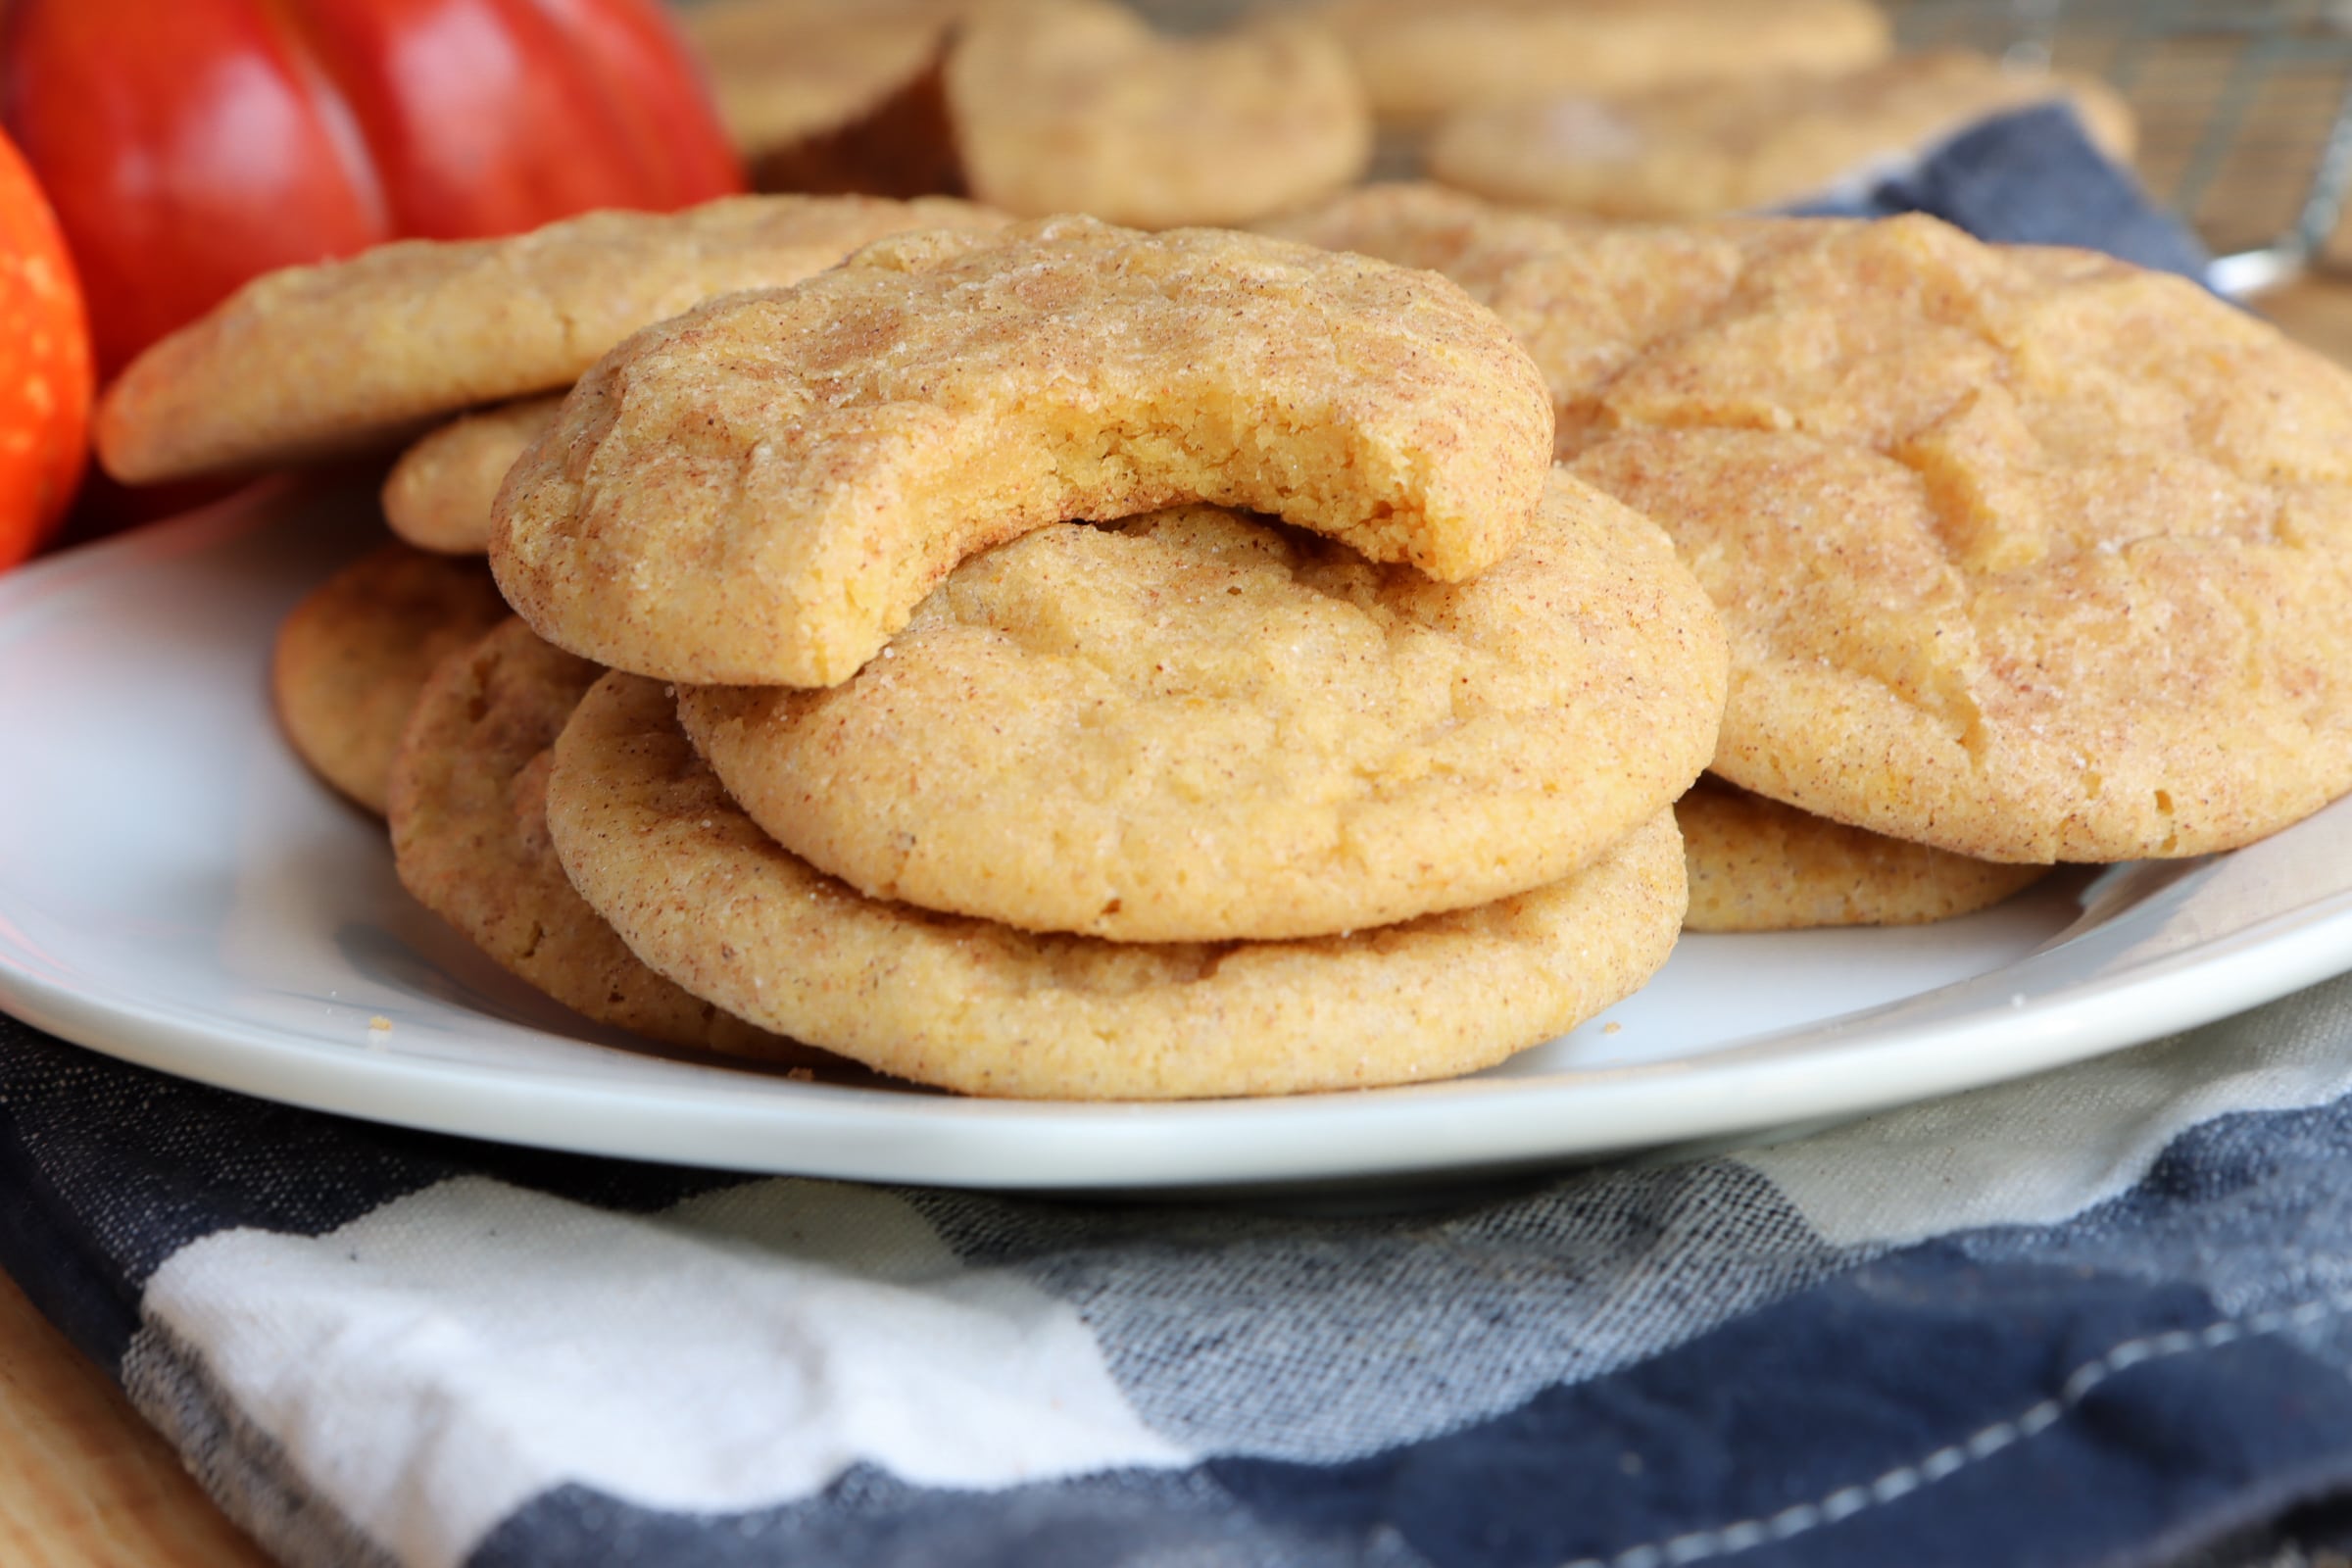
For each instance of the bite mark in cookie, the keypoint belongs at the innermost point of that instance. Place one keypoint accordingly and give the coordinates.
(762, 491)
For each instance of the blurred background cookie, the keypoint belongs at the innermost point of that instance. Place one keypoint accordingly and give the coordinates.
(1421, 58)
(789, 75)
(1688, 151)
(1078, 106)
(1042, 106)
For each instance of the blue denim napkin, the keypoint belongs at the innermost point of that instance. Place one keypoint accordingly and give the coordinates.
(2103, 1316)
(2028, 177)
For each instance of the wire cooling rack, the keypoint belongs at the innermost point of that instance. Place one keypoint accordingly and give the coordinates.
(2245, 107)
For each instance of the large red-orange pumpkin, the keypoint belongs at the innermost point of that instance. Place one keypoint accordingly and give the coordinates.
(192, 145)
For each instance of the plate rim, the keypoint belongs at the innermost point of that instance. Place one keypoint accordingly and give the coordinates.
(887, 1135)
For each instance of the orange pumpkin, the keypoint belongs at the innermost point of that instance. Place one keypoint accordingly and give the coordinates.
(190, 145)
(44, 365)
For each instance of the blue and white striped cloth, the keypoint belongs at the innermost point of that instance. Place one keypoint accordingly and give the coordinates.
(2100, 1316)
(2103, 1316)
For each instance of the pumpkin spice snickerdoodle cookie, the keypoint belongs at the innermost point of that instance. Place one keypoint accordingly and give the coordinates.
(1758, 866)
(788, 72)
(761, 491)
(350, 659)
(468, 789)
(700, 893)
(346, 354)
(437, 496)
(1420, 58)
(1077, 106)
(1194, 726)
(1691, 151)
(2025, 554)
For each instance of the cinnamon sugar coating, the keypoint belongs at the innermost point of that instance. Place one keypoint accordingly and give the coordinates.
(2026, 554)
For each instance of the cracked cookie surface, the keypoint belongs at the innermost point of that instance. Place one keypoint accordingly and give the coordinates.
(700, 893)
(1195, 725)
(2026, 554)
(762, 491)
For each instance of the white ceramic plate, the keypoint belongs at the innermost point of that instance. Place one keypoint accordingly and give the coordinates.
(176, 890)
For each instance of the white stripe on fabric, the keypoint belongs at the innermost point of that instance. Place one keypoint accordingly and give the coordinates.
(431, 1366)
(2046, 1148)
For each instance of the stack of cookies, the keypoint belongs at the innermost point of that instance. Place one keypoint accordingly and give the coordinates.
(1057, 660)
(1341, 755)
(1063, 662)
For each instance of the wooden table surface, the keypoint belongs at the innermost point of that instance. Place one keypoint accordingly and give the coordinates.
(84, 1483)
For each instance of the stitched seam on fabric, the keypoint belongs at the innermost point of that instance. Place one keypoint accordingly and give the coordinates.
(1798, 1519)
